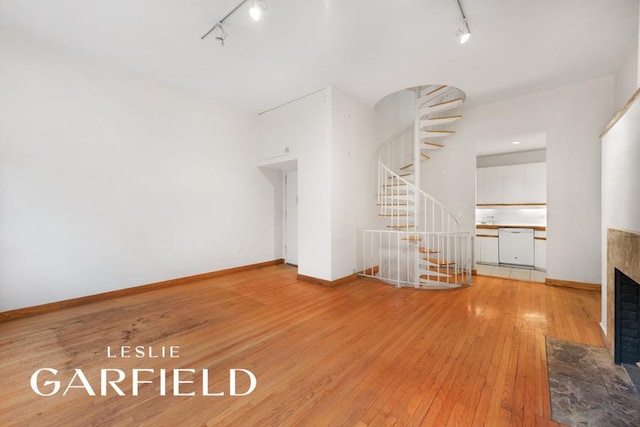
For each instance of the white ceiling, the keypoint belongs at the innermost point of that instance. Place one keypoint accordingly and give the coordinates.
(368, 48)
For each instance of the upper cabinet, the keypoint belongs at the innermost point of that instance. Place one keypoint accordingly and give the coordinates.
(489, 185)
(535, 182)
(293, 128)
(513, 190)
(510, 185)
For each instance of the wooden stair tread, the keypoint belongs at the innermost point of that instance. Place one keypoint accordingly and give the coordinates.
(426, 111)
(425, 135)
(445, 102)
(406, 166)
(395, 185)
(371, 271)
(436, 275)
(438, 279)
(434, 91)
(425, 156)
(456, 116)
(441, 270)
(439, 131)
(432, 94)
(426, 122)
(435, 144)
(392, 205)
(413, 238)
(439, 261)
(424, 250)
(435, 278)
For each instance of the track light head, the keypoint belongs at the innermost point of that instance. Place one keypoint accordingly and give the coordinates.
(464, 33)
(221, 34)
(257, 9)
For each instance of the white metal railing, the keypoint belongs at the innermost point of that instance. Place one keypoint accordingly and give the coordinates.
(401, 202)
(423, 246)
(444, 259)
(397, 151)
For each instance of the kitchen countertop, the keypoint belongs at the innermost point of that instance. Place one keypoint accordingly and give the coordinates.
(496, 226)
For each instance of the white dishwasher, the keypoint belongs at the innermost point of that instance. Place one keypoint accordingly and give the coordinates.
(516, 246)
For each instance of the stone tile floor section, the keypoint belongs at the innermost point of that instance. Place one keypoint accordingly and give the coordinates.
(511, 273)
(633, 371)
(587, 388)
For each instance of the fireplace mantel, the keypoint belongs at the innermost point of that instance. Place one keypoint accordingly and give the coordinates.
(623, 253)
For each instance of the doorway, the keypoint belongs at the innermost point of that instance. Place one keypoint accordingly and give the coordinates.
(511, 203)
(291, 218)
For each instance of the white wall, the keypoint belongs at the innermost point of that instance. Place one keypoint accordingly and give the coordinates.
(620, 157)
(336, 175)
(314, 213)
(353, 175)
(620, 183)
(572, 117)
(450, 175)
(394, 113)
(304, 125)
(108, 180)
(625, 80)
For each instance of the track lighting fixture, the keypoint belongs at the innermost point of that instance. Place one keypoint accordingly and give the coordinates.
(221, 34)
(464, 33)
(257, 10)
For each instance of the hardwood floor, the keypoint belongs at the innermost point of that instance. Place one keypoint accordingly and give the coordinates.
(361, 354)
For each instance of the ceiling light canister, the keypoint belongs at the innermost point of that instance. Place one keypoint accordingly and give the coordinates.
(257, 9)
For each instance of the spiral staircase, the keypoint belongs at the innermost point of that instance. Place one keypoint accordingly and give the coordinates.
(422, 246)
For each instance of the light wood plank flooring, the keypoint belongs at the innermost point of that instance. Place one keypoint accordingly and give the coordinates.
(361, 354)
